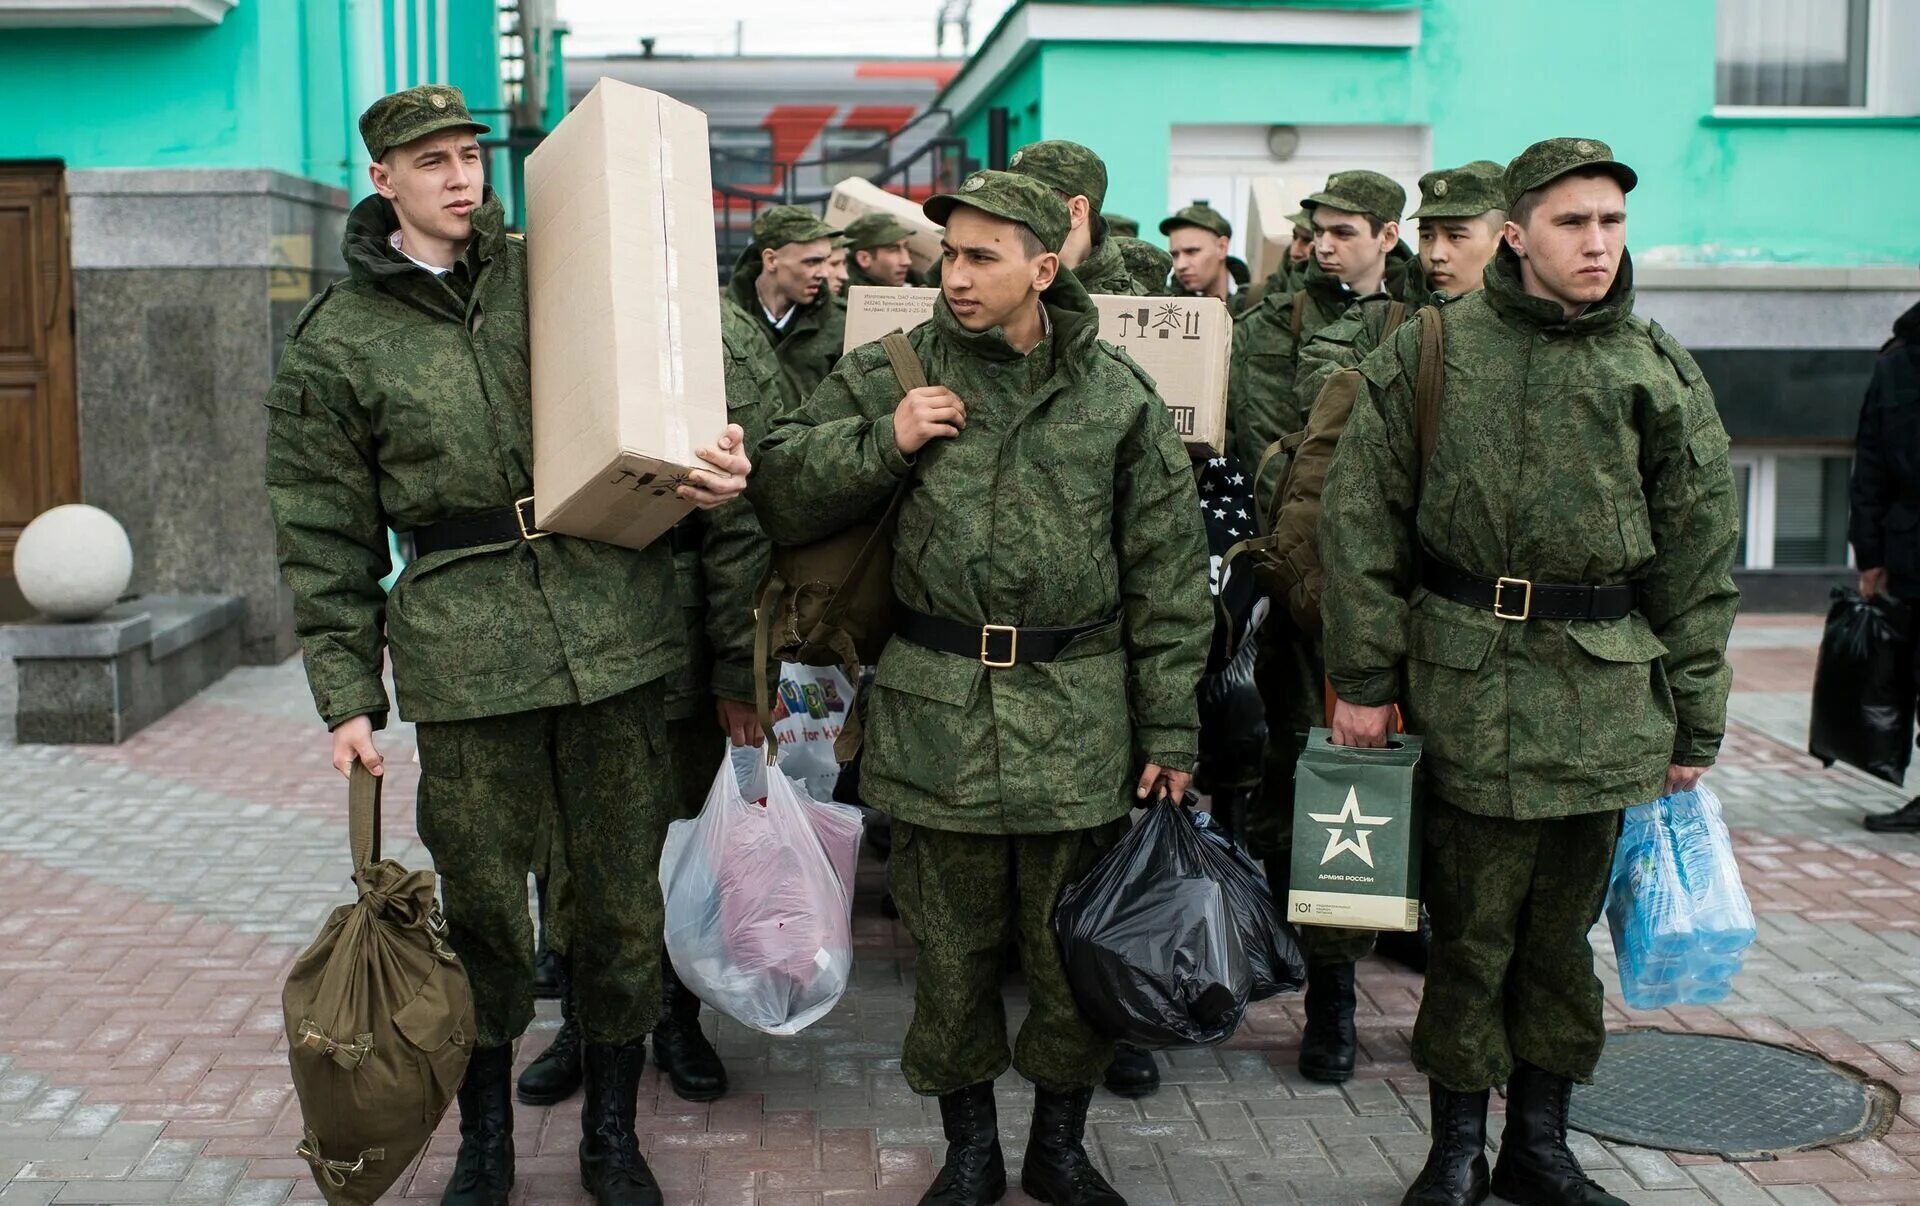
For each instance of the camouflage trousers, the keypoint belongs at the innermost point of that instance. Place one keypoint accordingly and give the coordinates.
(1292, 687)
(603, 772)
(964, 897)
(1510, 975)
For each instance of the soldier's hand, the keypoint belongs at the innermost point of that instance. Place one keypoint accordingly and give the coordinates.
(1157, 780)
(353, 742)
(1872, 582)
(1361, 726)
(740, 722)
(932, 412)
(1683, 778)
(726, 480)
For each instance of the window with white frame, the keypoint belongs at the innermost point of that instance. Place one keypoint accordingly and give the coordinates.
(1793, 508)
(1816, 57)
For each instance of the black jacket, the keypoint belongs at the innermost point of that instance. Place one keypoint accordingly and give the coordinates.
(1885, 522)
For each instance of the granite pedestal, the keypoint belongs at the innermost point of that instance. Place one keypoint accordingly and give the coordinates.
(100, 681)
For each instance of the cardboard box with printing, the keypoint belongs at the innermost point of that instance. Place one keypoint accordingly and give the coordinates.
(1182, 343)
(855, 198)
(624, 320)
(1269, 226)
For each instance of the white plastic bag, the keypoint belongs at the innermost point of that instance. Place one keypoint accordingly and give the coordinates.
(759, 896)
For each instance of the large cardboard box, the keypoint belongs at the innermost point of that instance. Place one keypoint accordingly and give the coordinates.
(1182, 343)
(1356, 835)
(628, 375)
(855, 198)
(1269, 226)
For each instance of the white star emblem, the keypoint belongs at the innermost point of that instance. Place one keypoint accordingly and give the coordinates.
(1241, 515)
(1238, 480)
(1233, 531)
(1217, 461)
(1219, 514)
(1349, 814)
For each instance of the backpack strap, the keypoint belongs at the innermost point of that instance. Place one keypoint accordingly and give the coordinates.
(1299, 319)
(905, 361)
(1429, 384)
(1396, 314)
(363, 816)
(912, 375)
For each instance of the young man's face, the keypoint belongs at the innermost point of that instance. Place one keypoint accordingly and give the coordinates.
(1571, 244)
(1302, 246)
(889, 265)
(435, 183)
(1456, 251)
(798, 272)
(1199, 259)
(1346, 246)
(988, 274)
(837, 271)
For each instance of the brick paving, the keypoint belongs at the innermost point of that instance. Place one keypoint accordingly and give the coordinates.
(153, 895)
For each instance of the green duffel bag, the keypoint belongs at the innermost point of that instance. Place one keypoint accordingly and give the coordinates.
(379, 1020)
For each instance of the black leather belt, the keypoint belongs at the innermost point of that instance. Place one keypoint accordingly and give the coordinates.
(482, 527)
(998, 646)
(1519, 599)
(685, 536)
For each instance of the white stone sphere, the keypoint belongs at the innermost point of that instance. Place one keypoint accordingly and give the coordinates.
(72, 562)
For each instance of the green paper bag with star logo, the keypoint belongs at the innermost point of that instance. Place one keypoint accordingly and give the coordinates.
(1356, 835)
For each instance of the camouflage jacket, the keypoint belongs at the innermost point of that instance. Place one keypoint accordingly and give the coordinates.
(1262, 403)
(808, 346)
(1106, 272)
(1583, 450)
(718, 578)
(1293, 565)
(1067, 500)
(402, 399)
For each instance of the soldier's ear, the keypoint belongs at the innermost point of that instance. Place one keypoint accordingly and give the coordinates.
(1515, 237)
(382, 178)
(1045, 269)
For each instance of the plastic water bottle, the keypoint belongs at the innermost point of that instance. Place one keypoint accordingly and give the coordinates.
(1647, 911)
(1703, 850)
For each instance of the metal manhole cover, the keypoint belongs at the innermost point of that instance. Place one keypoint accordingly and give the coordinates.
(1725, 1096)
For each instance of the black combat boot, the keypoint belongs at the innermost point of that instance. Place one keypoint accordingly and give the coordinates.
(1535, 1166)
(1132, 1072)
(680, 1047)
(611, 1166)
(483, 1171)
(1057, 1170)
(975, 1174)
(555, 1076)
(1327, 1046)
(1456, 1171)
(548, 964)
(1904, 819)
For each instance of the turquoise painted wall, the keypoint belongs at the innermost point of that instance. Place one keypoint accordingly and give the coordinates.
(278, 84)
(1489, 77)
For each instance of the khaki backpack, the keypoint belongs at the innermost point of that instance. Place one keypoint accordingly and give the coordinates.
(379, 1020)
(830, 603)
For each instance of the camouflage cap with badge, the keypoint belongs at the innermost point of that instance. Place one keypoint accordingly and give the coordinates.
(1202, 215)
(780, 225)
(1463, 192)
(1369, 194)
(869, 231)
(1545, 162)
(401, 117)
(1016, 198)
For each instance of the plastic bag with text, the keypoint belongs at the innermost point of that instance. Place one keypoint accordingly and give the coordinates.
(759, 898)
(810, 706)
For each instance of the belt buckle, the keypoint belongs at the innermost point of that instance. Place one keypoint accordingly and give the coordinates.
(522, 515)
(1526, 606)
(1013, 645)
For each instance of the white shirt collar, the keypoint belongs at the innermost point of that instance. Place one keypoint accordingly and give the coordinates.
(780, 323)
(394, 239)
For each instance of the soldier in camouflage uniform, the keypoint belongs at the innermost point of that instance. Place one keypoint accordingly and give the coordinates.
(837, 266)
(780, 286)
(1078, 175)
(1549, 599)
(877, 245)
(1460, 216)
(530, 666)
(1120, 226)
(1151, 267)
(1053, 624)
(1197, 239)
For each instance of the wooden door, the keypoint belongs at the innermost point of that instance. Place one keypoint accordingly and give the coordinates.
(39, 423)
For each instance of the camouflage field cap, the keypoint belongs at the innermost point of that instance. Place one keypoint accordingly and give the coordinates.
(1302, 220)
(400, 117)
(1144, 261)
(869, 231)
(1067, 166)
(1462, 192)
(784, 224)
(1360, 192)
(1545, 162)
(1202, 215)
(1122, 225)
(1014, 197)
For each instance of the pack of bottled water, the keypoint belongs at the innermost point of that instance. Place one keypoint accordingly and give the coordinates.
(1681, 920)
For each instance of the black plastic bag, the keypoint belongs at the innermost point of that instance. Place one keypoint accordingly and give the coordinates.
(1152, 937)
(1863, 687)
(1272, 945)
